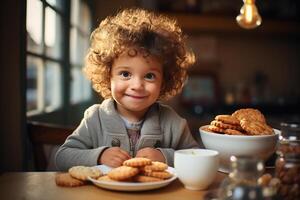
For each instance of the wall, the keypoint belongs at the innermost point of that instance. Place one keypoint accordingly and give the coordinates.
(238, 58)
(12, 101)
(104, 9)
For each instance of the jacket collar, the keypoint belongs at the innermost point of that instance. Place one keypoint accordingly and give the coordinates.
(112, 122)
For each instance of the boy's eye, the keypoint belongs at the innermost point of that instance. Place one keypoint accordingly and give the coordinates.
(150, 76)
(124, 74)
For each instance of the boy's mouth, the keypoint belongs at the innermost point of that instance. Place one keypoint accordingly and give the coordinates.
(136, 96)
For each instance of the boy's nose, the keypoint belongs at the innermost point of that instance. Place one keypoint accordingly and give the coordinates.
(137, 83)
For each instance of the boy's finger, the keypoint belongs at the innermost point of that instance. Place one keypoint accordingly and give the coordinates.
(141, 154)
(115, 163)
(119, 160)
(125, 154)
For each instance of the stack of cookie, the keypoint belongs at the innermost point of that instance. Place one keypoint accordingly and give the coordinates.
(77, 176)
(138, 170)
(247, 121)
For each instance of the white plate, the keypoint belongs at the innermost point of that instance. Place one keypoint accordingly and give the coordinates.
(128, 186)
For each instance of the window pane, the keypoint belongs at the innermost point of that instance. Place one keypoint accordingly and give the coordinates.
(53, 33)
(76, 85)
(75, 57)
(87, 89)
(85, 19)
(53, 86)
(34, 25)
(56, 3)
(75, 12)
(79, 43)
(81, 89)
(34, 91)
(78, 47)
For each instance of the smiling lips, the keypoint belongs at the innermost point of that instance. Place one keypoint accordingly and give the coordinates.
(135, 97)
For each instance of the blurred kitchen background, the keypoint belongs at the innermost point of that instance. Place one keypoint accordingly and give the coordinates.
(43, 44)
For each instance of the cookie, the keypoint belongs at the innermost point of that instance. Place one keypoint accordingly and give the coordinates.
(104, 178)
(215, 129)
(66, 180)
(225, 126)
(256, 127)
(228, 119)
(137, 162)
(233, 132)
(155, 166)
(122, 173)
(83, 172)
(162, 174)
(264, 180)
(249, 114)
(145, 179)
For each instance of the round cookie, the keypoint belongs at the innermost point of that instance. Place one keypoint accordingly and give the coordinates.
(66, 180)
(137, 162)
(155, 166)
(162, 175)
(83, 172)
(256, 127)
(122, 173)
(249, 114)
(233, 132)
(145, 179)
(215, 129)
(224, 126)
(228, 119)
(104, 178)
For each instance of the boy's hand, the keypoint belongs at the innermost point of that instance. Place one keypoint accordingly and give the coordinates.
(151, 153)
(113, 157)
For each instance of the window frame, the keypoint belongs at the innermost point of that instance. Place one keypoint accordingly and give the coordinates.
(60, 115)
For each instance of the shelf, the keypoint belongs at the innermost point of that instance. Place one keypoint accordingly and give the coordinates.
(268, 109)
(202, 23)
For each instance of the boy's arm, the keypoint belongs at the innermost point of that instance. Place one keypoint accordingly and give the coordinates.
(78, 147)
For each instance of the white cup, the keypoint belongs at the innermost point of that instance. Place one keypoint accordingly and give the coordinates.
(196, 168)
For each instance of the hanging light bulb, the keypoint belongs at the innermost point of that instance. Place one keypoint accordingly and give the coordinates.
(249, 17)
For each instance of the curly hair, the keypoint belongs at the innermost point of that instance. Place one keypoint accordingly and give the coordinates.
(153, 34)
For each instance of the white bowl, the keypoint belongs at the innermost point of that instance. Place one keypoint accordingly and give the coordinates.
(262, 146)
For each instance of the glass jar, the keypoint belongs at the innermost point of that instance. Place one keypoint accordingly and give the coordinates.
(290, 131)
(241, 183)
(287, 166)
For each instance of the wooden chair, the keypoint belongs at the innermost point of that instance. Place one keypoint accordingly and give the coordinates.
(41, 134)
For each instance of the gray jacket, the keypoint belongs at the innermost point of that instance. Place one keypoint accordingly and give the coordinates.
(102, 127)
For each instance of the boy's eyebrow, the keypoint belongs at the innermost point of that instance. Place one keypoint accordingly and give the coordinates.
(155, 69)
(120, 67)
(127, 67)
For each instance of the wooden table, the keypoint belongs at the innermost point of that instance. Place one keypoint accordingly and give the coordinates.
(41, 185)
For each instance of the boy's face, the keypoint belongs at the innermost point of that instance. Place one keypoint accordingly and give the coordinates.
(135, 84)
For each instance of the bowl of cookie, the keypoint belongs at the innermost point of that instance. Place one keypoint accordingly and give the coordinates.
(242, 133)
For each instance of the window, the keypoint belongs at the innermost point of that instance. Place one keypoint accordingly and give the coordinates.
(80, 33)
(57, 41)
